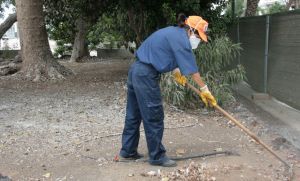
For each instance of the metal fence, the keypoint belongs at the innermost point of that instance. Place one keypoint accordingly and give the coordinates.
(271, 54)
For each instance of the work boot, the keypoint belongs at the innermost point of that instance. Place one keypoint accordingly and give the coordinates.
(134, 157)
(167, 163)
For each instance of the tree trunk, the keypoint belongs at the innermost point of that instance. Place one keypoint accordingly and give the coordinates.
(10, 20)
(80, 47)
(136, 25)
(297, 4)
(289, 3)
(251, 7)
(38, 63)
(9, 69)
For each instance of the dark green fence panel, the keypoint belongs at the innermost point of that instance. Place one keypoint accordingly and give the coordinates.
(284, 58)
(283, 54)
(252, 33)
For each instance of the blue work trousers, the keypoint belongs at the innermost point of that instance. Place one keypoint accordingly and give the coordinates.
(144, 102)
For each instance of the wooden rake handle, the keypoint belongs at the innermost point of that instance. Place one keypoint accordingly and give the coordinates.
(247, 131)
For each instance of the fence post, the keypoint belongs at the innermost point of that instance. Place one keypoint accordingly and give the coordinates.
(233, 8)
(238, 38)
(266, 53)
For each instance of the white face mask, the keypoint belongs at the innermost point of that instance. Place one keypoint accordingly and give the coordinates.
(194, 41)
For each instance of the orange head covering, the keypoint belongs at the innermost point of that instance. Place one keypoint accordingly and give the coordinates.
(198, 24)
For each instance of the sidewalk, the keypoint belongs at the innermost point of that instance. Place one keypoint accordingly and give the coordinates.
(289, 118)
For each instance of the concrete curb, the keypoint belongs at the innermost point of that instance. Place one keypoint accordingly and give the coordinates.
(289, 126)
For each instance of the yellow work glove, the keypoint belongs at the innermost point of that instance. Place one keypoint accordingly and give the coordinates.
(180, 79)
(207, 97)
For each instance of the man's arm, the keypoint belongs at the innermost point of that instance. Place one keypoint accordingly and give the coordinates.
(205, 94)
(197, 78)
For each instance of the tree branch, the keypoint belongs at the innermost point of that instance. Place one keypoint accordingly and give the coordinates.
(10, 20)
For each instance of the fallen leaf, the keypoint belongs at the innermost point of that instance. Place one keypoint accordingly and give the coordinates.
(180, 151)
(77, 142)
(165, 179)
(151, 173)
(218, 149)
(47, 175)
(130, 175)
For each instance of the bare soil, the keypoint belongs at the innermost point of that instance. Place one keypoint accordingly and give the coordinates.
(70, 130)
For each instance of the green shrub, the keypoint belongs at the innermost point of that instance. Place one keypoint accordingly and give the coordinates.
(62, 49)
(216, 62)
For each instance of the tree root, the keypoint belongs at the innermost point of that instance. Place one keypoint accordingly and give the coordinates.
(45, 71)
(9, 69)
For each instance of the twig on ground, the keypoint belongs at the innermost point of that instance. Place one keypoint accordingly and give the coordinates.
(208, 141)
(118, 134)
(177, 127)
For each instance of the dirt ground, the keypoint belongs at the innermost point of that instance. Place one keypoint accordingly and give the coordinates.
(70, 130)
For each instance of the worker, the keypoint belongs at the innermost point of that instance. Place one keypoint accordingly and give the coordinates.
(163, 51)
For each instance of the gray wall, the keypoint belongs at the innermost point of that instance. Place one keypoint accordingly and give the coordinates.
(283, 56)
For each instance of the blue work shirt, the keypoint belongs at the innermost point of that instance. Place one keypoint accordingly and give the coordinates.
(167, 49)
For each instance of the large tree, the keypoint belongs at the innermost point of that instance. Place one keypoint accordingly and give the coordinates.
(71, 20)
(251, 7)
(38, 62)
(10, 20)
(295, 4)
(239, 8)
(146, 16)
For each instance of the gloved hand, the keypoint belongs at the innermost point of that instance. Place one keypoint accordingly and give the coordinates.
(180, 79)
(207, 97)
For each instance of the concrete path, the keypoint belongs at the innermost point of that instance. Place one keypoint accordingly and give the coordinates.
(288, 118)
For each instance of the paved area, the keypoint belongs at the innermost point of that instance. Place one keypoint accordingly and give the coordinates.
(71, 130)
(287, 119)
